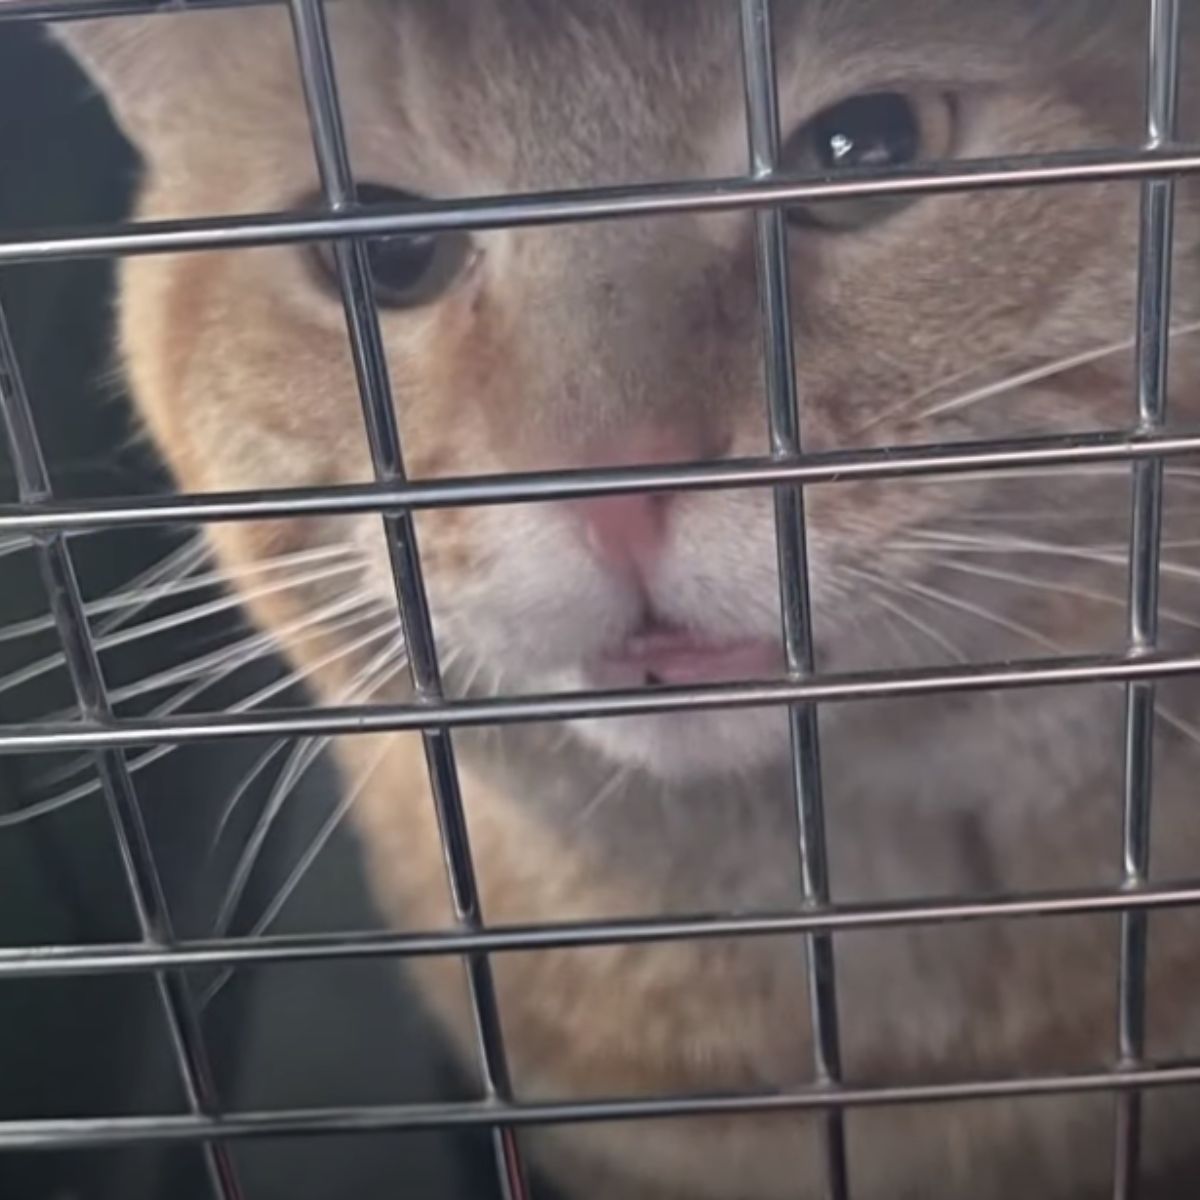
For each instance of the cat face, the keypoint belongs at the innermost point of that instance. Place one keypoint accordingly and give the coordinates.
(639, 341)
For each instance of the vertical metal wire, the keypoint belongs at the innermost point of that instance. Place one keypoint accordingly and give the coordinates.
(762, 112)
(87, 679)
(315, 60)
(1153, 337)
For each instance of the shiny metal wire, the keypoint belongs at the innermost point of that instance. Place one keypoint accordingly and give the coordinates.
(108, 1132)
(43, 737)
(1146, 446)
(1145, 551)
(783, 416)
(838, 466)
(599, 204)
(91, 694)
(47, 962)
(354, 276)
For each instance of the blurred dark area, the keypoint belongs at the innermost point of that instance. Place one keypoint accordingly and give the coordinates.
(279, 1037)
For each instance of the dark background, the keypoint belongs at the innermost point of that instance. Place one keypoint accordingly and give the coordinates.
(280, 1037)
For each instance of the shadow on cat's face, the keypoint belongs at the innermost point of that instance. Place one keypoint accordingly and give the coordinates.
(980, 315)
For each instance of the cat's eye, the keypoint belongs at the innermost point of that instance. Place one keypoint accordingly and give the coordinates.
(877, 129)
(407, 270)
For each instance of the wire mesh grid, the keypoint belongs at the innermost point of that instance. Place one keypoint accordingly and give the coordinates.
(1145, 445)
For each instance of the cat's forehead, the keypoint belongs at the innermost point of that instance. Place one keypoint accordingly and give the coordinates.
(452, 96)
(556, 92)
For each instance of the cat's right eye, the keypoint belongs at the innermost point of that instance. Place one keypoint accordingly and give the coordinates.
(875, 129)
(407, 270)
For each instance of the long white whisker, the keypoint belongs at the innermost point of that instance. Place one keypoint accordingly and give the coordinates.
(1168, 715)
(903, 615)
(1038, 374)
(932, 389)
(173, 621)
(1180, 474)
(612, 787)
(318, 844)
(1007, 475)
(138, 598)
(15, 546)
(472, 676)
(947, 600)
(1065, 474)
(999, 516)
(267, 641)
(43, 808)
(1182, 727)
(335, 818)
(314, 850)
(256, 647)
(53, 804)
(135, 764)
(298, 675)
(899, 631)
(301, 759)
(1064, 589)
(177, 566)
(210, 676)
(128, 601)
(219, 664)
(291, 680)
(231, 806)
(965, 544)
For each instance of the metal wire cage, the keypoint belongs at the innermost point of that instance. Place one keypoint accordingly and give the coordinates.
(165, 958)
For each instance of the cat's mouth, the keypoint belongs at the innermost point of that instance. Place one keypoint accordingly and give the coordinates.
(661, 654)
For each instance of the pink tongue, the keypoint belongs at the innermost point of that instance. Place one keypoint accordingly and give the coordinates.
(682, 658)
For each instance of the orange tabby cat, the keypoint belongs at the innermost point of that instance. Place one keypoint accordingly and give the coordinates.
(639, 341)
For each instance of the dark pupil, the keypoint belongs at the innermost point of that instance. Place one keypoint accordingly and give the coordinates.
(868, 131)
(398, 263)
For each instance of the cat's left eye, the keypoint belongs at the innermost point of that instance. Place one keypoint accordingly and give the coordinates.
(407, 270)
(876, 129)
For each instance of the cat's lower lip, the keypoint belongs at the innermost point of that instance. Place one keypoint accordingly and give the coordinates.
(682, 657)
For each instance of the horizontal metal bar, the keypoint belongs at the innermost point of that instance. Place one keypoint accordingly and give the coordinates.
(828, 467)
(108, 1132)
(47, 737)
(78, 10)
(594, 204)
(133, 958)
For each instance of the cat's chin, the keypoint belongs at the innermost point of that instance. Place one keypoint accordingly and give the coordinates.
(686, 747)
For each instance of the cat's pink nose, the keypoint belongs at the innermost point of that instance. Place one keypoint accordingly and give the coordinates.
(625, 533)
